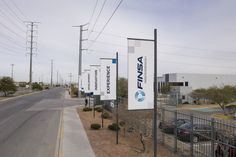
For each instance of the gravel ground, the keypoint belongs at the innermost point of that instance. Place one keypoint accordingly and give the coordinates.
(103, 140)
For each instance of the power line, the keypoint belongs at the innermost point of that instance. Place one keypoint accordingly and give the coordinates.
(10, 30)
(203, 65)
(106, 23)
(194, 56)
(9, 38)
(164, 44)
(199, 49)
(12, 11)
(11, 21)
(108, 52)
(12, 46)
(90, 19)
(19, 10)
(3, 52)
(10, 50)
(99, 14)
(108, 43)
(110, 34)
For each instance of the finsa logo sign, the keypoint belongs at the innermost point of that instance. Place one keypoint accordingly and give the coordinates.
(140, 94)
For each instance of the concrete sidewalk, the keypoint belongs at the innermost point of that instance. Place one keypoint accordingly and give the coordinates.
(75, 140)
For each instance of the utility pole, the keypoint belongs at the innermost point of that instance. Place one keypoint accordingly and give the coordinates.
(57, 76)
(12, 65)
(51, 73)
(32, 45)
(80, 53)
(70, 76)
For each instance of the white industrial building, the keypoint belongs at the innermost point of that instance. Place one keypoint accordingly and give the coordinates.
(182, 84)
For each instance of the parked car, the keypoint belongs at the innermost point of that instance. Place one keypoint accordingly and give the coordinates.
(226, 145)
(201, 132)
(169, 127)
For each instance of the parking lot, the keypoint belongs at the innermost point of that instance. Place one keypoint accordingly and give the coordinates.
(200, 135)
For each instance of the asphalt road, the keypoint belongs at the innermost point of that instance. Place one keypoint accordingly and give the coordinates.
(29, 125)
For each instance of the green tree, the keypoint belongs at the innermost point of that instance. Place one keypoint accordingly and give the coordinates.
(165, 88)
(7, 85)
(36, 86)
(199, 94)
(123, 87)
(222, 96)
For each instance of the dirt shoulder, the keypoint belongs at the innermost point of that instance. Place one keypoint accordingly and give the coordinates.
(103, 141)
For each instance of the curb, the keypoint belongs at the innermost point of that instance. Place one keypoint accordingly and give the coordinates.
(60, 135)
(15, 97)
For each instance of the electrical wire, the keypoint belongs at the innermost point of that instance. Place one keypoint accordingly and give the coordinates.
(12, 46)
(203, 65)
(13, 51)
(99, 14)
(19, 10)
(108, 43)
(10, 30)
(199, 49)
(194, 56)
(90, 19)
(11, 21)
(110, 34)
(106, 23)
(11, 39)
(11, 10)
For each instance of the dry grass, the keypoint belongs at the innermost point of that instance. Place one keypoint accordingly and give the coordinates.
(223, 117)
(103, 141)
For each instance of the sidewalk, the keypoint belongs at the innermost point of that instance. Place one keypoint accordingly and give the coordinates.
(75, 141)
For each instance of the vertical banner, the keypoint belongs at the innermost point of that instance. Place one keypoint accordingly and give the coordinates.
(80, 83)
(95, 79)
(83, 81)
(86, 81)
(108, 79)
(140, 74)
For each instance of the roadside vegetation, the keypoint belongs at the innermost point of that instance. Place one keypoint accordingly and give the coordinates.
(225, 97)
(37, 86)
(7, 86)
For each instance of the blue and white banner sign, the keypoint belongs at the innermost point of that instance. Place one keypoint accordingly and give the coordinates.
(86, 81)
(95, 79)
(140, 74)
(108, 79)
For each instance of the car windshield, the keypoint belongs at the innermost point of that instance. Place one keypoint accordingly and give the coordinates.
(186, 126)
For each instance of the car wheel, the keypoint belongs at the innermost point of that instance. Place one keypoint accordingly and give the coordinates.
(195, 139)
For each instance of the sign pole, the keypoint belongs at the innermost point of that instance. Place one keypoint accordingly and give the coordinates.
(155, 96)
(117, 116)
(93, 108)
(102, 112)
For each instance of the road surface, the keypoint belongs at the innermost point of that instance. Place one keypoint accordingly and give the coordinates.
(29, 125)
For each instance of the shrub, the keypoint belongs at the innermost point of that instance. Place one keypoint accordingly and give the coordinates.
(113, 127)
(99, 109)
(95, 126)
(36, 86)
(7, 85)
(105, 115)
(122, 123)
(95, 108)
(87, 109)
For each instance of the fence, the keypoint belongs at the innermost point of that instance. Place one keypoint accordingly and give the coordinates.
(192, 135)
(197, 135)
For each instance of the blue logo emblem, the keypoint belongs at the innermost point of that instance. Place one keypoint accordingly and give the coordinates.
(139, 96)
